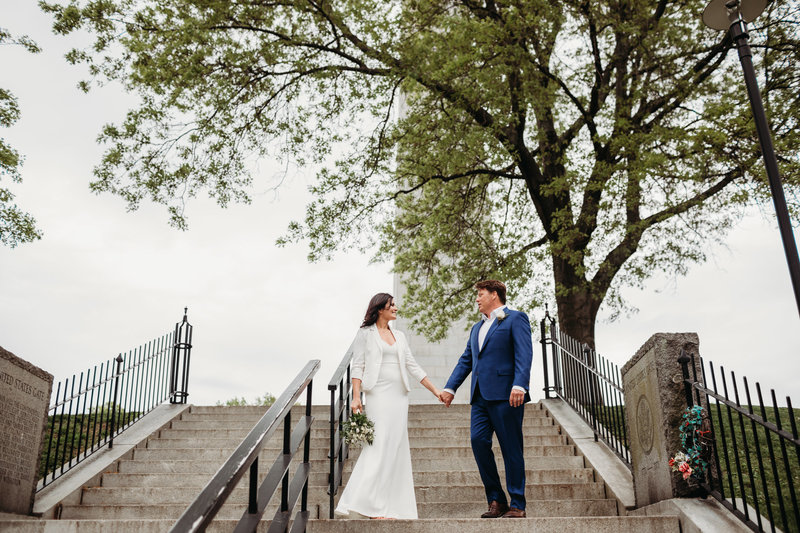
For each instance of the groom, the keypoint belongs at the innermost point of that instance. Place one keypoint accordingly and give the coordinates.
(498, 354)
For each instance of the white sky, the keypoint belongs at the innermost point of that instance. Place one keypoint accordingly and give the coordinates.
(103, 281)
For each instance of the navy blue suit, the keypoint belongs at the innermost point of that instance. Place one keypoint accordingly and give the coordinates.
(503, 362)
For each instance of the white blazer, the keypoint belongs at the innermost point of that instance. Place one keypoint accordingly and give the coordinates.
(366, 351)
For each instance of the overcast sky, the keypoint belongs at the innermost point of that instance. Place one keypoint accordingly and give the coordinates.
(102, 280)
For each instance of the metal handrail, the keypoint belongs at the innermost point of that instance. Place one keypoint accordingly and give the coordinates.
(784, 508)
(339, 386)
(588, 383)
(202, 510)
(109, 398)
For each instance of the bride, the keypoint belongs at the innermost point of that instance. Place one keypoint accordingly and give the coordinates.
(381, 484)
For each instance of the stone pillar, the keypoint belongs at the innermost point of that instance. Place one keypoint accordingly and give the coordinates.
(438, 359)
(655, 401)
(24, 396)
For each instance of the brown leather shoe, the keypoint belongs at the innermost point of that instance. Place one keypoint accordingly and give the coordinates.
(496, 510)
(514, 513)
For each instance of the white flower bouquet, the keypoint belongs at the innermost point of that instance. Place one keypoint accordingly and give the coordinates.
(358, 428)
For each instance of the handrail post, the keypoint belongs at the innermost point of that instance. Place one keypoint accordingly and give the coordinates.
(181, 356)
(558, 364)
(113, 421)
(544, 356)
(287, 450)
(592, 395)
(331, 472)
(687, 387)
(307, 450)
(252, 502)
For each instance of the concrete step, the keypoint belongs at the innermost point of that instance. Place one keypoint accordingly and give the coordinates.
(539, 491)
(426, 452)
(322, 440)
(324, 417)
(433, 420)
(604, 524)
(165, 511)
(422, 458)
(448, 449)
(148, 460)
(97, 497)
(209, 442)
(460, 477)
(627, 524)
(440, 510)
(113, 526)
(320, 430)
(538, 508)
(434, 493)
(256, 410)
(149, 476)
(531, 409)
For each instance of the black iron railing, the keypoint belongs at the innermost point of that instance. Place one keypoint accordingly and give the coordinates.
(92, 408)
(590, 384)
(202, 510)
(340, 387)
(756, 449)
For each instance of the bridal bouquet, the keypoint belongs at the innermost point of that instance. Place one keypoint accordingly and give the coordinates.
(358, 428)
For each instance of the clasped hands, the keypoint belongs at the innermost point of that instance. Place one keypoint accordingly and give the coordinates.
(516, 398)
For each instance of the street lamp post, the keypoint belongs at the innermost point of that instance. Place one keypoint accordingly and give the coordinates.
(732, 15)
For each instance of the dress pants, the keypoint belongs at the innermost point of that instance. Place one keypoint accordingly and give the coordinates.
(498, 417)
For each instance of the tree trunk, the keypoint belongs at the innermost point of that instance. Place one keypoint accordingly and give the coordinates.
(577, 312)
(577, 303)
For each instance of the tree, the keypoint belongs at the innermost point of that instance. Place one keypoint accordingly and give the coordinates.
(570, 148)
(266, 400)
(16, 226)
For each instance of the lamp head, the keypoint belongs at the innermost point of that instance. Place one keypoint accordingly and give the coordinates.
(720, 14)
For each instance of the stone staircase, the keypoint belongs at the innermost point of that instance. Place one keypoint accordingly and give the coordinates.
(149, 490)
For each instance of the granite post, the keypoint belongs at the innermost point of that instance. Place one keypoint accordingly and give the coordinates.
(655, 401)
(24, 396)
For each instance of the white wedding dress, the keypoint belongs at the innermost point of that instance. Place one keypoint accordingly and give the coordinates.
(382, 483)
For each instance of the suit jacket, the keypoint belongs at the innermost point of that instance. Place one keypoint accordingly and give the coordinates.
(503, 362)
(366, 350)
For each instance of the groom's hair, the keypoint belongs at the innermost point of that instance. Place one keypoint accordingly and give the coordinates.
(492, 285)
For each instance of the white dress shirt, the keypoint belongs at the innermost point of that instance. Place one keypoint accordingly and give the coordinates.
(487, 323)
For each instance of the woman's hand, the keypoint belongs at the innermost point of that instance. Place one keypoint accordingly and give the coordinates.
(356, 406)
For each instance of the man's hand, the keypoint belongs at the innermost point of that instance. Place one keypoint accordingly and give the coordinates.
(517, 398)
(445, 397)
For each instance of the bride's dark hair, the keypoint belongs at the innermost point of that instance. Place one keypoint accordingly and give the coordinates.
(377, 303)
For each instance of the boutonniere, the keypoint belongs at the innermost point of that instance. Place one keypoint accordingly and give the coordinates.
(501, 315)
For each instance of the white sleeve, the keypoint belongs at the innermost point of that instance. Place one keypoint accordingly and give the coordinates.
(357, 351)
(413, 368)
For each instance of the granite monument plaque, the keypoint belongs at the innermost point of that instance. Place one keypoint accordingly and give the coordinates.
(655, 400)
(24, 397)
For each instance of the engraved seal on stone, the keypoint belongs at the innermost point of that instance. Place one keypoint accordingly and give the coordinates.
(644, 419)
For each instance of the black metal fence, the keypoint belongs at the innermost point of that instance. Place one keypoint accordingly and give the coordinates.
(202, 510)
(590, 384)
(340, 387)
(90, 409)
(756, 449)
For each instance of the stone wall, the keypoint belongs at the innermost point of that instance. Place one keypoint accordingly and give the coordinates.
(24, 396)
